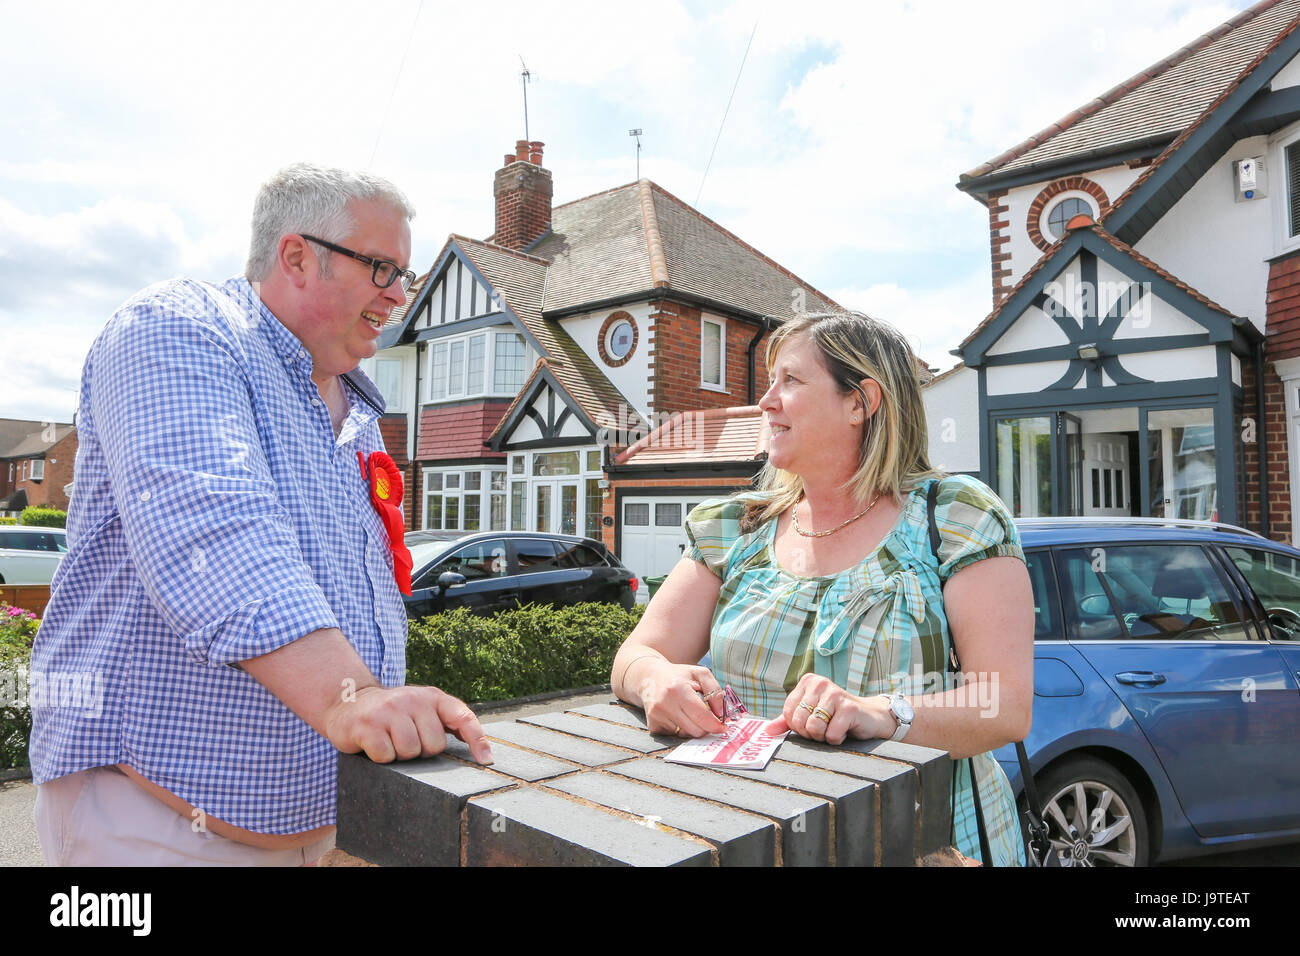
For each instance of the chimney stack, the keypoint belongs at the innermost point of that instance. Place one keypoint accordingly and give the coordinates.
(523, 192)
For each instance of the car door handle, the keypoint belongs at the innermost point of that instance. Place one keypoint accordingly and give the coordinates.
(1140, 677)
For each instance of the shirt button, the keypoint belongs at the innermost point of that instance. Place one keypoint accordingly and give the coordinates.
(301, 354)
(315, 402)
(145, 495)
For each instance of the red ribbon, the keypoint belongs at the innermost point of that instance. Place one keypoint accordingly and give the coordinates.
(386, 495)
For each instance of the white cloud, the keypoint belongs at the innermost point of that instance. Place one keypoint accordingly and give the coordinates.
(138, 152)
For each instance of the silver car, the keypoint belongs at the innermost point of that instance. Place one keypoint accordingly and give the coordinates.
(30, 555)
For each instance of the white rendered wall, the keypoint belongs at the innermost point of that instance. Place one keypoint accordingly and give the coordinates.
(1216, 245)
(1030, 377)
(632, 379)
(1289, 75)
(1114, 180)
(952, 415)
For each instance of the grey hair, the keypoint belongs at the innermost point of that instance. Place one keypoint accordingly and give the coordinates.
(312, 199)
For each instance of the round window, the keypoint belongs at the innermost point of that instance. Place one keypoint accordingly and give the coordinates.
(620, 339)
(1063, 212)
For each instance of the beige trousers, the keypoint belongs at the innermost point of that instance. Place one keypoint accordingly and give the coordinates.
(98, 817)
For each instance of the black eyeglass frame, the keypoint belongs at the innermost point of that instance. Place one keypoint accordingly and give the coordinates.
(406, 275)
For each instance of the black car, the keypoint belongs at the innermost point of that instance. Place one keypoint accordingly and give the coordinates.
(496, 570)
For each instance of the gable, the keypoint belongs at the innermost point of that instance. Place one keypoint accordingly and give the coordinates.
(458, 292)
(1094, 292)
(543, 414)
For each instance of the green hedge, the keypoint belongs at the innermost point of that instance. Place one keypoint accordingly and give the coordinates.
(8, 520)
(43, 517)
(531, 650)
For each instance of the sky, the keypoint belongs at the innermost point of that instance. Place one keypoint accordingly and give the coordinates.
(134, 135)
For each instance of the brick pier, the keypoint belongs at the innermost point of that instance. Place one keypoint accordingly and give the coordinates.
(589, 787)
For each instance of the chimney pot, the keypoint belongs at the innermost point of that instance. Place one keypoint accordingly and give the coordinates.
(521, 150)
(510, 158)
(535, 152)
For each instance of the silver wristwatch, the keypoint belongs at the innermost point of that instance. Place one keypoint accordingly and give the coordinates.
(902, 711)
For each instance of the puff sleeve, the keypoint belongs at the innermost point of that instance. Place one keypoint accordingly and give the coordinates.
(713, 528)
(974, 524)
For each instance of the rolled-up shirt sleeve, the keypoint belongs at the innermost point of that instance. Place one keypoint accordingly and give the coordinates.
(187, 463)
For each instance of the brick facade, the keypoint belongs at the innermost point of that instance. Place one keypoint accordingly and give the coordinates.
(1272, 427)
(998, 238)
(674, 344)
(46, 492)
(1283, 308)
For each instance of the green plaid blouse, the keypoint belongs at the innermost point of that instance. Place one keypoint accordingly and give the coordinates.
(876, 628)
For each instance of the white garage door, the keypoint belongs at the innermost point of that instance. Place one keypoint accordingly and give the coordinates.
(653, 537)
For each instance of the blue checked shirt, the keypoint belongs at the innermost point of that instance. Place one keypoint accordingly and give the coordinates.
(215, 517)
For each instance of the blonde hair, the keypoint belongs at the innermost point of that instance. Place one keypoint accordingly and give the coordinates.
(894, 456)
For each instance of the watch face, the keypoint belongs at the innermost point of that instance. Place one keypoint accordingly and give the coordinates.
(903, 710)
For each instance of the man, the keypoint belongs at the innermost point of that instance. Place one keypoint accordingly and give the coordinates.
(228, 580)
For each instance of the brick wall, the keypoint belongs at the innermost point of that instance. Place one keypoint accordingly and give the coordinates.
(1282, 341)
(48, 491)
(674, 361)
(998, 241)
(392, 428)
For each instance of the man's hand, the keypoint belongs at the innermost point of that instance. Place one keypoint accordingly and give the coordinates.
(402, 723)
(321, 678)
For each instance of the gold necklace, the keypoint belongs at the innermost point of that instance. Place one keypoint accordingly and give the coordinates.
(794, 517)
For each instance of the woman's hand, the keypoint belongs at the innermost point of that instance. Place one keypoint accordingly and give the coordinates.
(679, 699)
(821, 710)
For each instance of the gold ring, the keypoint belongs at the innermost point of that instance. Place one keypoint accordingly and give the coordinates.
(711, 694)
(677, 730)
(824, 715)
(806, 706)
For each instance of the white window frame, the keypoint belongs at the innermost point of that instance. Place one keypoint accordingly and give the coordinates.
(487, 389)
(38, 469)
(484, 494)
(721, 384)
(1280, 188)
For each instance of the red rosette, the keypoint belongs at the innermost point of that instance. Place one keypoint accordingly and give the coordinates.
(385, 482)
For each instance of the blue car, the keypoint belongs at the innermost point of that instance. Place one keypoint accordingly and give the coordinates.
(1166, 703)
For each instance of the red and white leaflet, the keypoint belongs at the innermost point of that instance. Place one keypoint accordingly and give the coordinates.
(745, 743)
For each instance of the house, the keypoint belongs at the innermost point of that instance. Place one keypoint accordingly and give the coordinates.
(523, 365)
(36, 460)
(1143, 352)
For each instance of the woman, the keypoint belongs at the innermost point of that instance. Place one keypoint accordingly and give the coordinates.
(819, 597)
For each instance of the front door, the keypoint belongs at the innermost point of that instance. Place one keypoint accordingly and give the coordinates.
(555, 506)
(1106, 490)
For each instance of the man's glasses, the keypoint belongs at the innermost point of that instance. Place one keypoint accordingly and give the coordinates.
(384, 273)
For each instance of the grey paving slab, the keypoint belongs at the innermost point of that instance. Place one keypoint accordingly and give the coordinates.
(855, 833)
(589, 753)
(618, 713)
(530, 827)
(896, 787)
(741, 838)
(617, 734)
(805, 821)
(934, 770)
(406, 814)
(514, 762)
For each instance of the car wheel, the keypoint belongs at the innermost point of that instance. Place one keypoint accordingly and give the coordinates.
(1093, 815)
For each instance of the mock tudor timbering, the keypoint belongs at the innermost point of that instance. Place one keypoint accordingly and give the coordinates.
(1147, 363)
